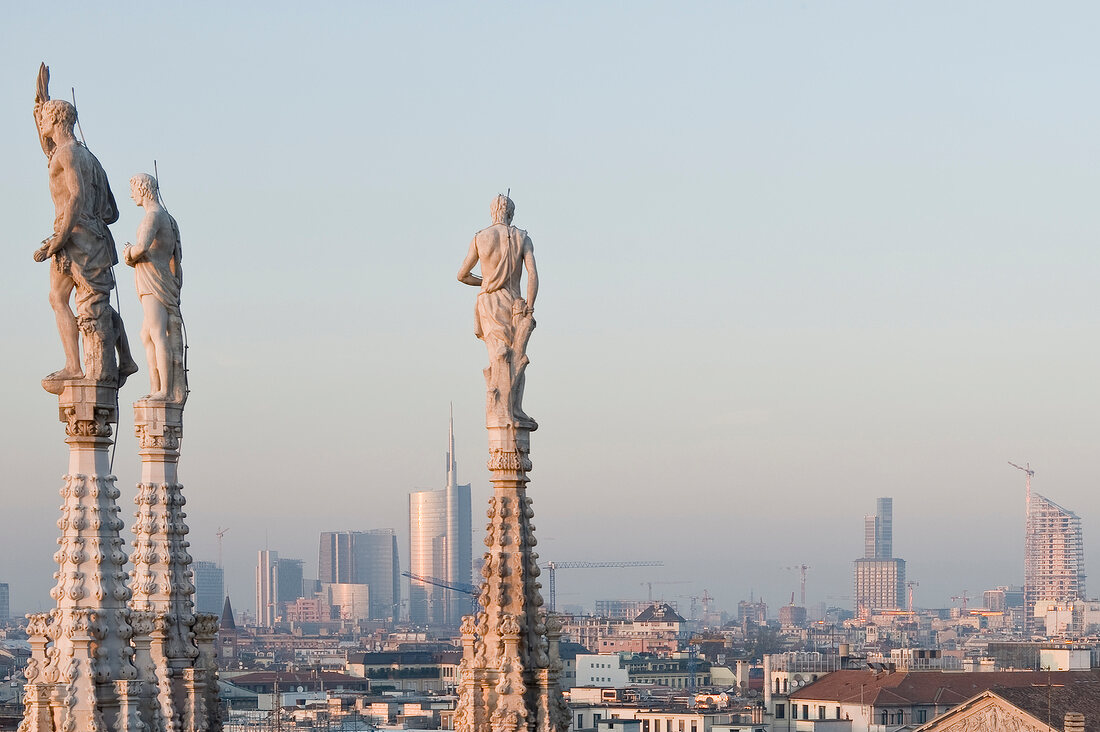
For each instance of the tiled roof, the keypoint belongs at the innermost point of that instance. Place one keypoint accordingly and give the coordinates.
(1053, 701)
(905, 688)
(659, 613)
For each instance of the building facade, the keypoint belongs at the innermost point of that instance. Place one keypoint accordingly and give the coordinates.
(209, 587)
(367, 558)
(278, 581)
(879, 577)
(1054, 558)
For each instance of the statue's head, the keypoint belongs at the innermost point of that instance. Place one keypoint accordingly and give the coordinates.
(143, 186)
(57, 113)
(502, 209)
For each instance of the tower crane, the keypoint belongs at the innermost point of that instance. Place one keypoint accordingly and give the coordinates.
(1030, 560)
(910, 585)
(221, 533)
(801, 569)
(964, 598)
(553, 567)
(668, 582)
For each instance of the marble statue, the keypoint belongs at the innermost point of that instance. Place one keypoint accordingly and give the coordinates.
(156, 258)
(504, 320)
(82, 250)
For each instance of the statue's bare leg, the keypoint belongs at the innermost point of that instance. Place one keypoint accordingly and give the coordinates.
(154, 336)
(61, 287)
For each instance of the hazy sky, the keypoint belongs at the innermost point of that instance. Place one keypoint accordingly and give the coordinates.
(793, 256)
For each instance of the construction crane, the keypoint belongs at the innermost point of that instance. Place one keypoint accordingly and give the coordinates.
(801, 569)
(221, 533)
(466, 589)
(553, 567)
(1027, 484)
(1030, 560)
(668, 582)
(706, 598)
(910, 585)
(964, 598)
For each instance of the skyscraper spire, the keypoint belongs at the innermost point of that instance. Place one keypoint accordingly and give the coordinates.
(452, 464)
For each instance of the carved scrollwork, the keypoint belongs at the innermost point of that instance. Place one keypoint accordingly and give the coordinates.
(167, 439)
(508, 460)
(98, 426)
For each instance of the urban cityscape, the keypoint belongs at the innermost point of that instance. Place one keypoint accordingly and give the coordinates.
(802, 439)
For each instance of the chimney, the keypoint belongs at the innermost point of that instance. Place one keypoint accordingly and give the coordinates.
(1075, 722)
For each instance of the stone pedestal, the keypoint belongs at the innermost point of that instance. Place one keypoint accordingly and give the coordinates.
(81, 677)
(166, 625)
(510, 667)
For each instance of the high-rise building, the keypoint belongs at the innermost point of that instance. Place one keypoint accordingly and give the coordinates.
(879, 577)
(209, 587)
(441, 546)
(1054, 557)
(364, 558)
(278, 582)
(5, 601)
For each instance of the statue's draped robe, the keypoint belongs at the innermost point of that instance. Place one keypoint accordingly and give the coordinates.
(500, 289)
(89, 253)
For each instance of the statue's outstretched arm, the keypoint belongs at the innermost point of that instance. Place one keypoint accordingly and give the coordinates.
(465, 272)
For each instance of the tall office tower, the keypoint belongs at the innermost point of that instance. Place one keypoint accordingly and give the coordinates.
(884, 528)
(879, 577)
(291, 581)
(5, 601)
(441, 546)
(364, 558)
(1054, 557)
(278, 581)
(209, 587)
(266, 583)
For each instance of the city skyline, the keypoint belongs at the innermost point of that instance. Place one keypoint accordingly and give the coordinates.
(879, 222)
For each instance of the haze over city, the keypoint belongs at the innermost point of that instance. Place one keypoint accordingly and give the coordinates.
(792, 259)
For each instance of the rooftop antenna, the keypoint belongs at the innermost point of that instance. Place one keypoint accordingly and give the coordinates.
(78, 127)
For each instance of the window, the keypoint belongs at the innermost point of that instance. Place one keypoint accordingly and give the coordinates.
(922, 715)
(805, 711)
(821, 711)
(681, 725)
(780, 712)
(838, 712)
(580, 721)
(885, 717)
(645, 725)
(596, 718)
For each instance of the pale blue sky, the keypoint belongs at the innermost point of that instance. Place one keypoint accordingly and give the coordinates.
(793, 256)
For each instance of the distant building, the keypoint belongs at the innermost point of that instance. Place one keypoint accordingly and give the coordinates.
(5, 601)
(209, 587)
(792, 616)
(367, 558)
(879, 577)
(752, 611)
(441, 546)
(1054, 558)
(350, 602)
(278, 581)
(621, 609)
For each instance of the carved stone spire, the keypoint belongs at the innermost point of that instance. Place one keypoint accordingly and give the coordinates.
(511, 669)
(175, 646)
(81, 674)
